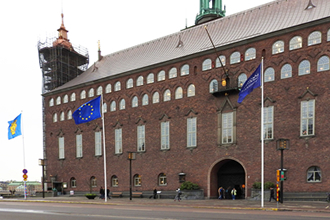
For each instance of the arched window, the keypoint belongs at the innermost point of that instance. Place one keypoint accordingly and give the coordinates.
(55, 117)
(69, 115)
(235, 57)
(73, 182)
(241, 80)
(191, 90)
(83, 94)
(314, 38)
(172, 73)
(73, 97)
(91, 92)
(296, 43)
(99, 90)
(269, 74)
(150, 78)
(113, 106)
(162, 180)
(250, 54)
(155, 97)
(304, 68)
(161, 76)
(105, 107)
(314, 174)
(145, 99)
(184, 70)
(114, 181)
(213, 86)
(122, 104)
(207, 65)
(129, 84)
(58, 100)
(167, 95)
(62, 117)
(178, 93)
(323, 64)
(137, 180)
(93, 182)
(223, 61)
(135, 102)
(278, 47)
(117, 86)
(139, 81)
(65, 98)
(51, 102)
(108, 88)
(286, 71)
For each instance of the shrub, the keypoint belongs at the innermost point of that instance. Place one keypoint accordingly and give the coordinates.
(189, 186)
(267, 185)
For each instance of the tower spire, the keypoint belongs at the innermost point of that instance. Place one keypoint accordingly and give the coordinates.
(209, 10)
(62, 36)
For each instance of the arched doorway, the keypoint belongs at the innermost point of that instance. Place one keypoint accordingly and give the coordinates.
(228, 174)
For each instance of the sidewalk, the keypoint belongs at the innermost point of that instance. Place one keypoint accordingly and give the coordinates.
(305, 206)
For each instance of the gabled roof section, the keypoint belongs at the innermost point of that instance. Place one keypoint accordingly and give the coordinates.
(248, 24)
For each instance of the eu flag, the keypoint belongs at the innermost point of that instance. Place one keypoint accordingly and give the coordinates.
(14, 128)
(88, 111)
(253, 82)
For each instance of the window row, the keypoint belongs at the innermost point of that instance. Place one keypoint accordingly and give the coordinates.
(304, 68)
(129, 84)
(140, 137)
(307, 123)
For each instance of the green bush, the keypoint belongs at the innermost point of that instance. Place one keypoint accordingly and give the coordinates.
(267, 185)
(189, 186)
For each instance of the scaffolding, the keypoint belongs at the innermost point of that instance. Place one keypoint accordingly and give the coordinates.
(60, 63)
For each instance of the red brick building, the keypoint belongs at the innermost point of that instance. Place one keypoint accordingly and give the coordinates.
(166, 100)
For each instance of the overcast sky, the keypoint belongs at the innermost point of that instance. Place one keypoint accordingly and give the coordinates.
(117, 24)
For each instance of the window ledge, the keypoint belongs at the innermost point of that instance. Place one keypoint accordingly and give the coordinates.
(307, 136)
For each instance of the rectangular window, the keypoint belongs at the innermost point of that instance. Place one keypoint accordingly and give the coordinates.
(61, 148)
(268, 122)
(141, 138)
(79, 150)
(191, 132)
(98, 143)
(118, 141)
(165, 135)
(227, 128)
(307, 118)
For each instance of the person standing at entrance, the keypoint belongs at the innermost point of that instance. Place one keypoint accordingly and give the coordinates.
(233, 193)
(220, 191)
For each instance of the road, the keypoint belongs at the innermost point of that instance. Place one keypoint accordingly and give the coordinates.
(65, 211)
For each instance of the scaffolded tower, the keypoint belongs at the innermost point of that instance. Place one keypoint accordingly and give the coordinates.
(60, 61)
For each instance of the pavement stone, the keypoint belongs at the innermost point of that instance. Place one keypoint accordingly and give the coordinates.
(304, 206)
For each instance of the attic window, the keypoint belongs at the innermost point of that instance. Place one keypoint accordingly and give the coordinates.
(310, 5)
(180, 44)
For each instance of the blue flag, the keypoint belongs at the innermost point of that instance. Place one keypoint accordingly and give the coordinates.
(14, 128)
(253, 82)
(88, 111)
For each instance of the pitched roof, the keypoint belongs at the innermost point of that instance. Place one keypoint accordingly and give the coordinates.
(251, 23)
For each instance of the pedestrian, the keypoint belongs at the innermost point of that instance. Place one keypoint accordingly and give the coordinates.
(178, 194)
(102, 193)
(272, 194)
(108, 193)
(220, 191)
(155, 193)
(233, 193)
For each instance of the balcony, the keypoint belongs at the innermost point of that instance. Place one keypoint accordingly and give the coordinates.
(227, 86)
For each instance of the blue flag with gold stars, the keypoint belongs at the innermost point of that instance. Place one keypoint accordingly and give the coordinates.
(14, 128)
(88, 111)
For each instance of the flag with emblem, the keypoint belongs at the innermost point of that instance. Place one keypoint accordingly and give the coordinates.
(14, 128)
(88, 111)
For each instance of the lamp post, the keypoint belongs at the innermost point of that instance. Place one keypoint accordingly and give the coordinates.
(282, 144)
(42, 163)
(131, 156)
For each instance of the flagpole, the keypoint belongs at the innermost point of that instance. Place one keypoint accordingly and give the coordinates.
(22, 131)
(262, 132)
(104, 154)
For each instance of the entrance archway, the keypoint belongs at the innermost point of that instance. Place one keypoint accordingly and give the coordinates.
(228, 174)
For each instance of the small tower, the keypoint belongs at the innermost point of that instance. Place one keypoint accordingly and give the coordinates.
(60, 61)
(209, 10)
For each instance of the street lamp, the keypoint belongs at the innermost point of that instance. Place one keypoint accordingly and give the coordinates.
(131, 156)
(282, 144)
(42, 163)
